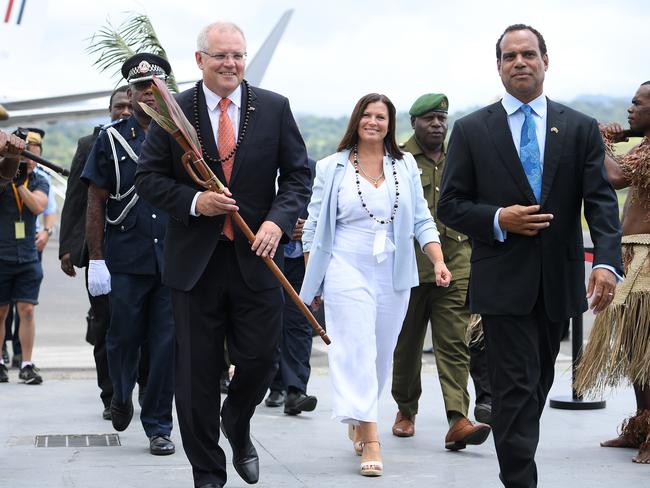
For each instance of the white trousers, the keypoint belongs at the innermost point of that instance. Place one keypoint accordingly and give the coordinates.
(364, 317)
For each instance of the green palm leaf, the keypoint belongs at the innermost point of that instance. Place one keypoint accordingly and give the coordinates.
(114, 45)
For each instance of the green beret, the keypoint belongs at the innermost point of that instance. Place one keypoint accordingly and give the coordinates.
(431, 102)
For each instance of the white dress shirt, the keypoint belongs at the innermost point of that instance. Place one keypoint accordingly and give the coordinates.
(214, 112)
(516, 119)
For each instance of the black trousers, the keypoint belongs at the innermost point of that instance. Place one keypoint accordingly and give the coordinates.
(141, 313)
(221, 307)
(521, 353)
(99, 317)
(296, 340)
(478, 370)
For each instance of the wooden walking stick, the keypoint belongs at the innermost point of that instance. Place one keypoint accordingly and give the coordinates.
(172, 119)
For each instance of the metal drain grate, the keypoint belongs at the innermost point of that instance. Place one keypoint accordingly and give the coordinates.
(78, 440)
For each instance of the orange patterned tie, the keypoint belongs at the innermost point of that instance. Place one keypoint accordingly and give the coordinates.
(226, 143)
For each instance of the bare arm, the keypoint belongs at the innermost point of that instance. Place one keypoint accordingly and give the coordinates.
(95, 215)
(433, 250)
(614, 132)
(43, 237)
(35, 201)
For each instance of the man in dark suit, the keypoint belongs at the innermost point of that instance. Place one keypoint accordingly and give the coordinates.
(72, 245)
(221, 289)
(517, 174)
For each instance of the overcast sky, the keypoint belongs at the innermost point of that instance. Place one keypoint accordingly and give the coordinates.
(335, 51)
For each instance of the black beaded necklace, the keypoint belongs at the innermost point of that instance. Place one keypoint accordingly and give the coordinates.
(242, 133)
(355, 163)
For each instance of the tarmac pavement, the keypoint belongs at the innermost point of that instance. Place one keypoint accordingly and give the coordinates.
(309, 450)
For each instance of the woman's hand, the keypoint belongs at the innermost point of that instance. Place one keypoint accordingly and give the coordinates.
(443, 275)
(434, 253)
(316, 302)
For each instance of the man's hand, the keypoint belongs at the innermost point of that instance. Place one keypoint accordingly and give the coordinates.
(99, 279)
(613, 131)
(602, 283)
(267, 239)
(66, 265)
(211, 203)
(525, 220)
(42, 238)
(10, 145)
(297, 230)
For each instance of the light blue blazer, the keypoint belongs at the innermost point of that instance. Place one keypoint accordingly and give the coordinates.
(412, 220)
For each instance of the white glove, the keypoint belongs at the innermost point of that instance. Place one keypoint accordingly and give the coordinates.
(99, 278)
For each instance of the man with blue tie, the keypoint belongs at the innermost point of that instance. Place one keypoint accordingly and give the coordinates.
(517, 174)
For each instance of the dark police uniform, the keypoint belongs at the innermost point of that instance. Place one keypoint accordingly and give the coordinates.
(140, 304)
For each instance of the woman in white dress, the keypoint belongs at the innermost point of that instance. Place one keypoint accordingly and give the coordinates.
(367, 206)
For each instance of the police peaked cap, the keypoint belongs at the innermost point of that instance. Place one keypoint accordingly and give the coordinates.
(144, 66)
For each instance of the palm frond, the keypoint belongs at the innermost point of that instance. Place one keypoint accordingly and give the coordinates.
(135, 35)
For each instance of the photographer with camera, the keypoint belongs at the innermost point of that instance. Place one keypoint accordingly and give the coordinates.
(20, 271)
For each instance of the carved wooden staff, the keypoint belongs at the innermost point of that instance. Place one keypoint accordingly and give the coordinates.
(172, 119)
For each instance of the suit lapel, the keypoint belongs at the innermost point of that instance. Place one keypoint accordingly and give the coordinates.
(207, 135)
(250, 130)
(555, 135)
(497, 123)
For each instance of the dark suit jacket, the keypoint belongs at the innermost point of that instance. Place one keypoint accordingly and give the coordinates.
(73, 216)
(272, 143)
(483, 172)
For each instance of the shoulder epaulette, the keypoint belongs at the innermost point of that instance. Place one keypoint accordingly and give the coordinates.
(113, 124)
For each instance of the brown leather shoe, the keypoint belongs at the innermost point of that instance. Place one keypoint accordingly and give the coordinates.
(464, 432)
(404, 425)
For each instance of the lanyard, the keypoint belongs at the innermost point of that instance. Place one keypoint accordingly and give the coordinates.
(19, 201)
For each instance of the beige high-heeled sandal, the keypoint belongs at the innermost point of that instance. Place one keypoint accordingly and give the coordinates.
(358, 448)
(371, 468)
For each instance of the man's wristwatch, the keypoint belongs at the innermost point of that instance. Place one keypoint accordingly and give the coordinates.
(49, 231)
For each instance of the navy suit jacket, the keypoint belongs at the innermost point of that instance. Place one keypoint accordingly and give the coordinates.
(483, 172)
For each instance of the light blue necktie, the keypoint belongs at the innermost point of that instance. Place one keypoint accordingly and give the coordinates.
(529, 152)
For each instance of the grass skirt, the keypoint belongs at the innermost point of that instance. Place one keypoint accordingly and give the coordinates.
(619, 345)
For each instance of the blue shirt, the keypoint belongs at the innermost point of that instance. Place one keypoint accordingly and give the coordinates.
(134, 245)
(12, 249)
(51, 197)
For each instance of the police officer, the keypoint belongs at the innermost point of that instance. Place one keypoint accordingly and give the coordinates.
(125, 243)
(445, 308)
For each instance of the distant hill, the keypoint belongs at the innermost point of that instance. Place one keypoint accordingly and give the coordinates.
(322, 134)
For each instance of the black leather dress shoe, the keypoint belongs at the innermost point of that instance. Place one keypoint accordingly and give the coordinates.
(275, 399)
(244, 459)
(211, 485)
(161, 445)
(299, 402)
(121, 414)
(483, 413)
(106, 413)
